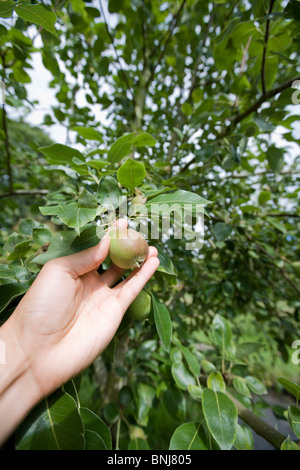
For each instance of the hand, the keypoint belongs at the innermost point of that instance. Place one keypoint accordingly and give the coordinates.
(71, 313)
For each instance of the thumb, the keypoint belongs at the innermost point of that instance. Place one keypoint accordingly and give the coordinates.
(86, 260)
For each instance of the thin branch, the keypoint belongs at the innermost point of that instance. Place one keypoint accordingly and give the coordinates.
(144, 47)
(25, 192)
(5, 129)
(254, 107)
(173, 25)
(180, 119)
(115, 51)
(282, 271)
(266, 39)
(269, 94)
(258, 173)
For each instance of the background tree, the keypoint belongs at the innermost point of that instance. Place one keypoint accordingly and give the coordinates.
(200, 101)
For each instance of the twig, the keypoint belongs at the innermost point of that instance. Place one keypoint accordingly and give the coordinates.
(25, 192)
(282, 271)
(115, 51)
(5, 129)
(173, 25)
(269, 94)
(180, 119)
(266, 39)
(144, 42)
(254, 107)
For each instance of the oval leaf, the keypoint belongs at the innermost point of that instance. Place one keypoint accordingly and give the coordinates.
(221, 417)
(131, 174)
(55, 424)
(162, 321)
(189, 436)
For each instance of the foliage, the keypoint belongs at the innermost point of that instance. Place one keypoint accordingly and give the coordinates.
(194, 95)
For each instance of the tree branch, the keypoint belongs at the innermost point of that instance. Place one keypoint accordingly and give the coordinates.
(281, 270)
(180, 119)
(25, 192)
(5, 129)
(115, 51)
(258, 425)
(254, 107)
(269, 94)
(266, 39)
(173, 25)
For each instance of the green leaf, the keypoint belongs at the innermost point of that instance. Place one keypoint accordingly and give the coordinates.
(189, 436)
(179, 197)
(120, 148)
(87, 239)
(291, 387)
(275, 158)
(72, 214)
(165, 263)
(175, 403)
(138, 444)
(289, 445)
(8, 292)
(195, 391)
(221, 417)
(244, 438)
(294, 419)
(221, 332)
(255, 385)
(247, 348)
(41, 236)
(26, 226)
(54, 424)
(38, 14)
(60, 245)
(20, 251)
(6, 272)
(145, 395)
(109, 194)
(183, 378)
(162, 322)
(278, 225)
(216, 382)
(131, 174)
(143, 140)
(61, 154)
(88, 133)
(190, 358)
(7, 8)
(222, 231)
(87, 199)
(241, 387)
(94, 424)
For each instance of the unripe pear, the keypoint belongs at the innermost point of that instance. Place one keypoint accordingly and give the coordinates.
(140, 307)
(128, 248)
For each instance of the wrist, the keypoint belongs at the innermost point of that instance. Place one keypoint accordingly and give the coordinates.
(18, 390)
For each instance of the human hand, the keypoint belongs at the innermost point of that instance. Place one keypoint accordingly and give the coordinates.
(71, 312)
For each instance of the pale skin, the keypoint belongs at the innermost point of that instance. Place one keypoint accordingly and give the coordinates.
(66, 319)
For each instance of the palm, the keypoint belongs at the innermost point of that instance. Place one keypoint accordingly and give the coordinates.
(81, 316)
